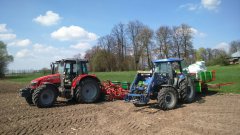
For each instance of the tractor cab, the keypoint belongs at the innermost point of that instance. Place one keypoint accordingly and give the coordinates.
(69, 69)
(170, 69)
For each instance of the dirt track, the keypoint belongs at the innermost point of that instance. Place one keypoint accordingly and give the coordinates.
(212, 114)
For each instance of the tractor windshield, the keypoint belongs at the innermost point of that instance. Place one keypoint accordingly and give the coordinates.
(60, 68)
(161, 67)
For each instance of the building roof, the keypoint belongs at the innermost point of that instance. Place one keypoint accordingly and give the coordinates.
(236, 54)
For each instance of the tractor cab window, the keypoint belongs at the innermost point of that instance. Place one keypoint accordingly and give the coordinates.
(84, 68)
(67, 68)
(61, 68)
(161, 68)
(74, 68)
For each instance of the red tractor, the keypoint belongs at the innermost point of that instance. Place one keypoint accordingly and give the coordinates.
(69, 79)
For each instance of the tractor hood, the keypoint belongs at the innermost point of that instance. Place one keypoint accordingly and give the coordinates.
(54, 78)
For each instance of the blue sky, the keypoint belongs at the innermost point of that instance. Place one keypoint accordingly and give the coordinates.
(38, 32)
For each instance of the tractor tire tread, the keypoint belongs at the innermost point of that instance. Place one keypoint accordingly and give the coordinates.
(161, 98)
(36, 97)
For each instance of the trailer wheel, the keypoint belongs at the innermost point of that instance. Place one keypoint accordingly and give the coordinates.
(44, 96)
(187, 90)
(88, 91)
(205, 89)
(167, 98)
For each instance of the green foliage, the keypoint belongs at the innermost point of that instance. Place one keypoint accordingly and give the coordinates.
(5, 58)
(220, 60)
(103, 61)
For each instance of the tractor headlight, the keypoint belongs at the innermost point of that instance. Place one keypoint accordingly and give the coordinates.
(34, 83)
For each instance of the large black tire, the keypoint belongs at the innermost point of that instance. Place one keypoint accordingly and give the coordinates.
(88, 91)
(44, 96)
(29, 100)
(167, 98)
(187, 90)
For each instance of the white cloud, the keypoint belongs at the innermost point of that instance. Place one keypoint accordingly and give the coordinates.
(73, 33)
(40, 48)
(23, 53)
(7, 36)
(40, 55)
(222, 46)
(21, 43)
(190, 6)
(50, 18)
(83, 46)
(198, 33)
(211, 4)
(3, 28)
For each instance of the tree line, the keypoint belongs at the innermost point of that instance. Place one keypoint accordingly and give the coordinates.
(134, 45)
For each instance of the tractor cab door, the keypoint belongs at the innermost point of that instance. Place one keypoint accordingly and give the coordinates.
(177, 72)
(81, 68)
(70, 72)
(163, 72)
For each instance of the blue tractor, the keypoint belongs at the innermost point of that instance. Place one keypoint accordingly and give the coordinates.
(167, 83)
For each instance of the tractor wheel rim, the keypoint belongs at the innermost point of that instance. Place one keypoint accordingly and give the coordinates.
(47, 97)
(89, 92)
(169, 99)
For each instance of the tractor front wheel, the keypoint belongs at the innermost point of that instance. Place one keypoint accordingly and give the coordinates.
(29, 100)
(88, 91)
(44, 96)
(167, 98)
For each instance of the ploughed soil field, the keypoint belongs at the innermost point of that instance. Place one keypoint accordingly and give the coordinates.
(211, 114)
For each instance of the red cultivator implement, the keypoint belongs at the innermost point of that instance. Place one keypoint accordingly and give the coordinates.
(113, 91)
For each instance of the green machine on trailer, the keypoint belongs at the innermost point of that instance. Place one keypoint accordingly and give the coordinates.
(202, 78)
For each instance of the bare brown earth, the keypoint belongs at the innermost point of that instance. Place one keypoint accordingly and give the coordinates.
(211, 114)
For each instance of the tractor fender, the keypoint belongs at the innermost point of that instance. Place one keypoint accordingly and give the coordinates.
(166, 85)
(81, 78)
(51, 85)
(181, 79)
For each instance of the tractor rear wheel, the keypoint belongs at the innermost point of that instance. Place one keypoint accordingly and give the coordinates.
(88, 91)
(167, 98)
(187, 90)
(44, 96)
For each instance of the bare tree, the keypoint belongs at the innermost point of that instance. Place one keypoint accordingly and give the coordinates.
(134, 28)
(186, 40)
(118, 33)
(164, 39)
(176, 35)
(144, 39)
(78, 56)
(234, 46)
(107, 43)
